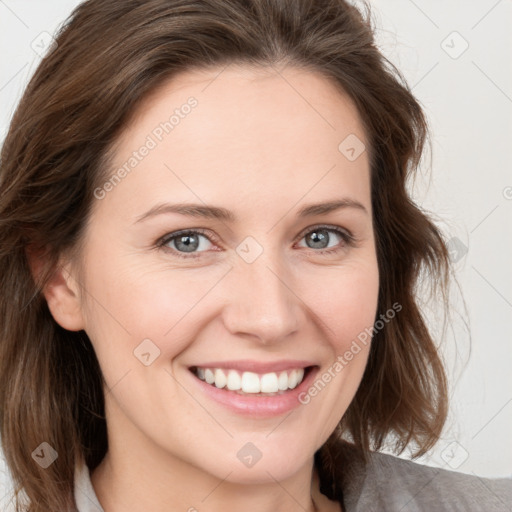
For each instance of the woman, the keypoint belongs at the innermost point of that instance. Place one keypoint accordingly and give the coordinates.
(208, 264)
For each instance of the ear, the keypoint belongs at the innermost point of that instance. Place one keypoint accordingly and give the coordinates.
(61, 291)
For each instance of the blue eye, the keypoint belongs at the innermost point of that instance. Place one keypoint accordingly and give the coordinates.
(191, 243)
(320, 239)
(183, 242)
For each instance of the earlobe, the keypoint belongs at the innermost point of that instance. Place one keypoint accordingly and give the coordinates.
(61, 292)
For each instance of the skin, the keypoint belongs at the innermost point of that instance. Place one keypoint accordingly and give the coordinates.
(261, 143)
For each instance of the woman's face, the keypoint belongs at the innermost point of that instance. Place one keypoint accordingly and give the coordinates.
(265, 284)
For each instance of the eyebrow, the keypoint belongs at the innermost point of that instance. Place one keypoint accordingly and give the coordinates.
(219, 213)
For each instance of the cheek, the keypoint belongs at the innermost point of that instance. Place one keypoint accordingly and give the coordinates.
(346, 306)
(131, 303)
(345, 300)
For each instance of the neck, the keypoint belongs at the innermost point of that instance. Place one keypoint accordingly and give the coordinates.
(123, 485)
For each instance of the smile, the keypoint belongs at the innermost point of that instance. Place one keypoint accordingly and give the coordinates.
(254, 389)
(250, 382)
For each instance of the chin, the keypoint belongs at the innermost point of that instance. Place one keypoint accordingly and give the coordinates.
(263, 472)
(266, 464)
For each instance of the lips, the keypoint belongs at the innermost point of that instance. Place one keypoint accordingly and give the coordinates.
(255, 404)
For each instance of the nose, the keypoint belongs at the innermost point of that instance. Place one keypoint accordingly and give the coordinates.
(262, 302)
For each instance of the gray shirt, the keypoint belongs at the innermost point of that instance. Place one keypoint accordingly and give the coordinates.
(387, 484)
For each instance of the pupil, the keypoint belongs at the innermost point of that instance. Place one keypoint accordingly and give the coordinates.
(187, 245)
(319, 237)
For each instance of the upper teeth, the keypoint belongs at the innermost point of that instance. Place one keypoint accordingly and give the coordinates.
(250, 382)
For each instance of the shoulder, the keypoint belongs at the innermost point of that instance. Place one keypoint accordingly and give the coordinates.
(390, 483)
(85, 497)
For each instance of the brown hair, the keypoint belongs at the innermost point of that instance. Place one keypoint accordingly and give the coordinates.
(110, 56)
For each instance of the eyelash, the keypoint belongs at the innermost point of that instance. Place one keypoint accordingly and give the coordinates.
(347, 240)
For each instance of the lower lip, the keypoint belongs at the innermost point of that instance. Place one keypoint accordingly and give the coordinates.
(259, 406)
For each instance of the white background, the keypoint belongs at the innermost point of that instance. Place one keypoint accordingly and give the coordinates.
(468, 99)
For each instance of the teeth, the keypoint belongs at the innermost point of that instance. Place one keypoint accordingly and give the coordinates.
(209, 377)
(293, 379)
(220, 378)
(282, 381)
(269, 383)
(234, 380)
(250, 382)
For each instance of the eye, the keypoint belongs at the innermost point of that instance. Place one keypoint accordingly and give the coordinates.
(186, 243)
(321, 239)
(192, 242)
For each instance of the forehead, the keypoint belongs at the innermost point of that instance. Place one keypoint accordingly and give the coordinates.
(256, 99)
(253, 133)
